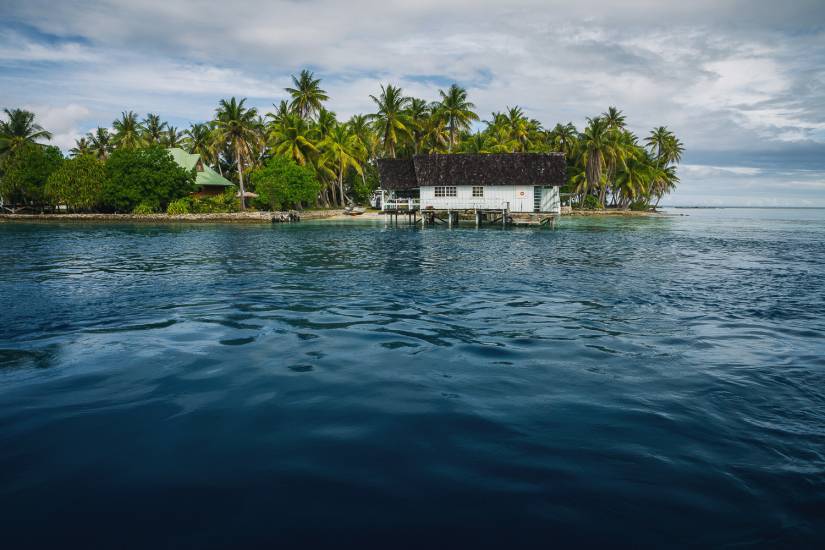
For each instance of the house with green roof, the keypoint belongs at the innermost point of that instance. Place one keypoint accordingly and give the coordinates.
(207, 181)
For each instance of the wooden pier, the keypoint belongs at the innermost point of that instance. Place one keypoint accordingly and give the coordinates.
(408, 211)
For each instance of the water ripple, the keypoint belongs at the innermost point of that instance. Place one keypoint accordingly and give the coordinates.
(660, 381)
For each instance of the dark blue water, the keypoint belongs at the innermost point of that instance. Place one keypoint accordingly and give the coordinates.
(619, 381)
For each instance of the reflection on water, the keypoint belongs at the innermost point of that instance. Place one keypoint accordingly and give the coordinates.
(658, 380)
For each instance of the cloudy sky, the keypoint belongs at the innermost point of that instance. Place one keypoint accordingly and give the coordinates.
(741, 82)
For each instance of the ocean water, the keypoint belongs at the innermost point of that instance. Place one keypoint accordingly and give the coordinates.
(646, 382)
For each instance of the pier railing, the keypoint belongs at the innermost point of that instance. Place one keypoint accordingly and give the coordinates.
(406, 205)
(475, 204)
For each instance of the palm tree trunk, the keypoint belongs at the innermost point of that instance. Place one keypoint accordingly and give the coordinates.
(240, 175)
(341, 183)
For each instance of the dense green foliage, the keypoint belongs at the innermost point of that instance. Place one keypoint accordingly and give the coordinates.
(215, 204)
(77, 183)
(607, 164)
(179, 206)
(283, 184)
(147, 176)
(26, 169)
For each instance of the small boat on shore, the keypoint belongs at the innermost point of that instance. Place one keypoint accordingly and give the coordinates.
(354, 210)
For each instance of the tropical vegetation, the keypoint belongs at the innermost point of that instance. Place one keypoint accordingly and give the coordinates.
(330, 162)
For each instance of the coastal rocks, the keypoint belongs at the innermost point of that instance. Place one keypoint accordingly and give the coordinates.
(228, 217)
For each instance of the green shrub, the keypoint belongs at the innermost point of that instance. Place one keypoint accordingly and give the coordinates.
(25, 172)
(640, 205)
(590, 203)
(148, 175)
(144, 208)
(180, 206)
(283, 184)
(78, 183)
(217, 204)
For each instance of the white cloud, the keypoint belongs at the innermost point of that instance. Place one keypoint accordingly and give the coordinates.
(726, 88)
(63, 121)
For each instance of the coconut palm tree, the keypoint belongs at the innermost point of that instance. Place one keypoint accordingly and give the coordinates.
(281, 112)
(172, 138)
(152, 129)
(197, 140)
(634, 179)
(457, 112)
(665, 146)
(325, 123)
(391, 121)
(562, 138)
(20, 128)
(476, 144)
(81, 147)
(100, 143)
(127, 131)
(307, 95)
(293, 138)
(360, 126)
(342, 148)
(663, 182)
(614, 118)
(419, 113)
(436, 137)
(518, 128)
(236, 126)
(596, 146)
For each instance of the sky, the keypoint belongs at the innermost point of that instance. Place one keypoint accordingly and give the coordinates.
(741, 82)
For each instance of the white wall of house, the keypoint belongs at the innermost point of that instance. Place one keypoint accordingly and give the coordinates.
(518, 198)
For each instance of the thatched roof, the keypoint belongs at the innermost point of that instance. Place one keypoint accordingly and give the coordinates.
(398, 174)
(464, 169)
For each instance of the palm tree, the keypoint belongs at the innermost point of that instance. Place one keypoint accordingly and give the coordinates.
(664, 181)
(236, 126)
(476, 143)
(20, 128)
(457, 112)
(360, 126)
(280, 113)
(153, 129)
(100, 143)
(81, 147)
(614, 118)
(292, 138)
(391, 121)
(436, 137)
(343, 149)
(127, 131)
(418, 111)
(172, 138)
(562, 138)
(325, 123)
(665, 146)
(518, 128)
(197, 140)
(596, 143)
(307, 95)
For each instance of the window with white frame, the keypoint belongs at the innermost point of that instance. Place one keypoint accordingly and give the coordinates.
(445, 191)
(478, 191)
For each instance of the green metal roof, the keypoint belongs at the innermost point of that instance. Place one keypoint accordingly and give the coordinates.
(206, 177)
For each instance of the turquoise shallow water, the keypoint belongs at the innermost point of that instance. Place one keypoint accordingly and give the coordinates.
(616, 381)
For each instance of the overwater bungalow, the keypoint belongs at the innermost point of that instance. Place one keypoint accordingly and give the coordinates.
(207, 181)
(505, 184)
